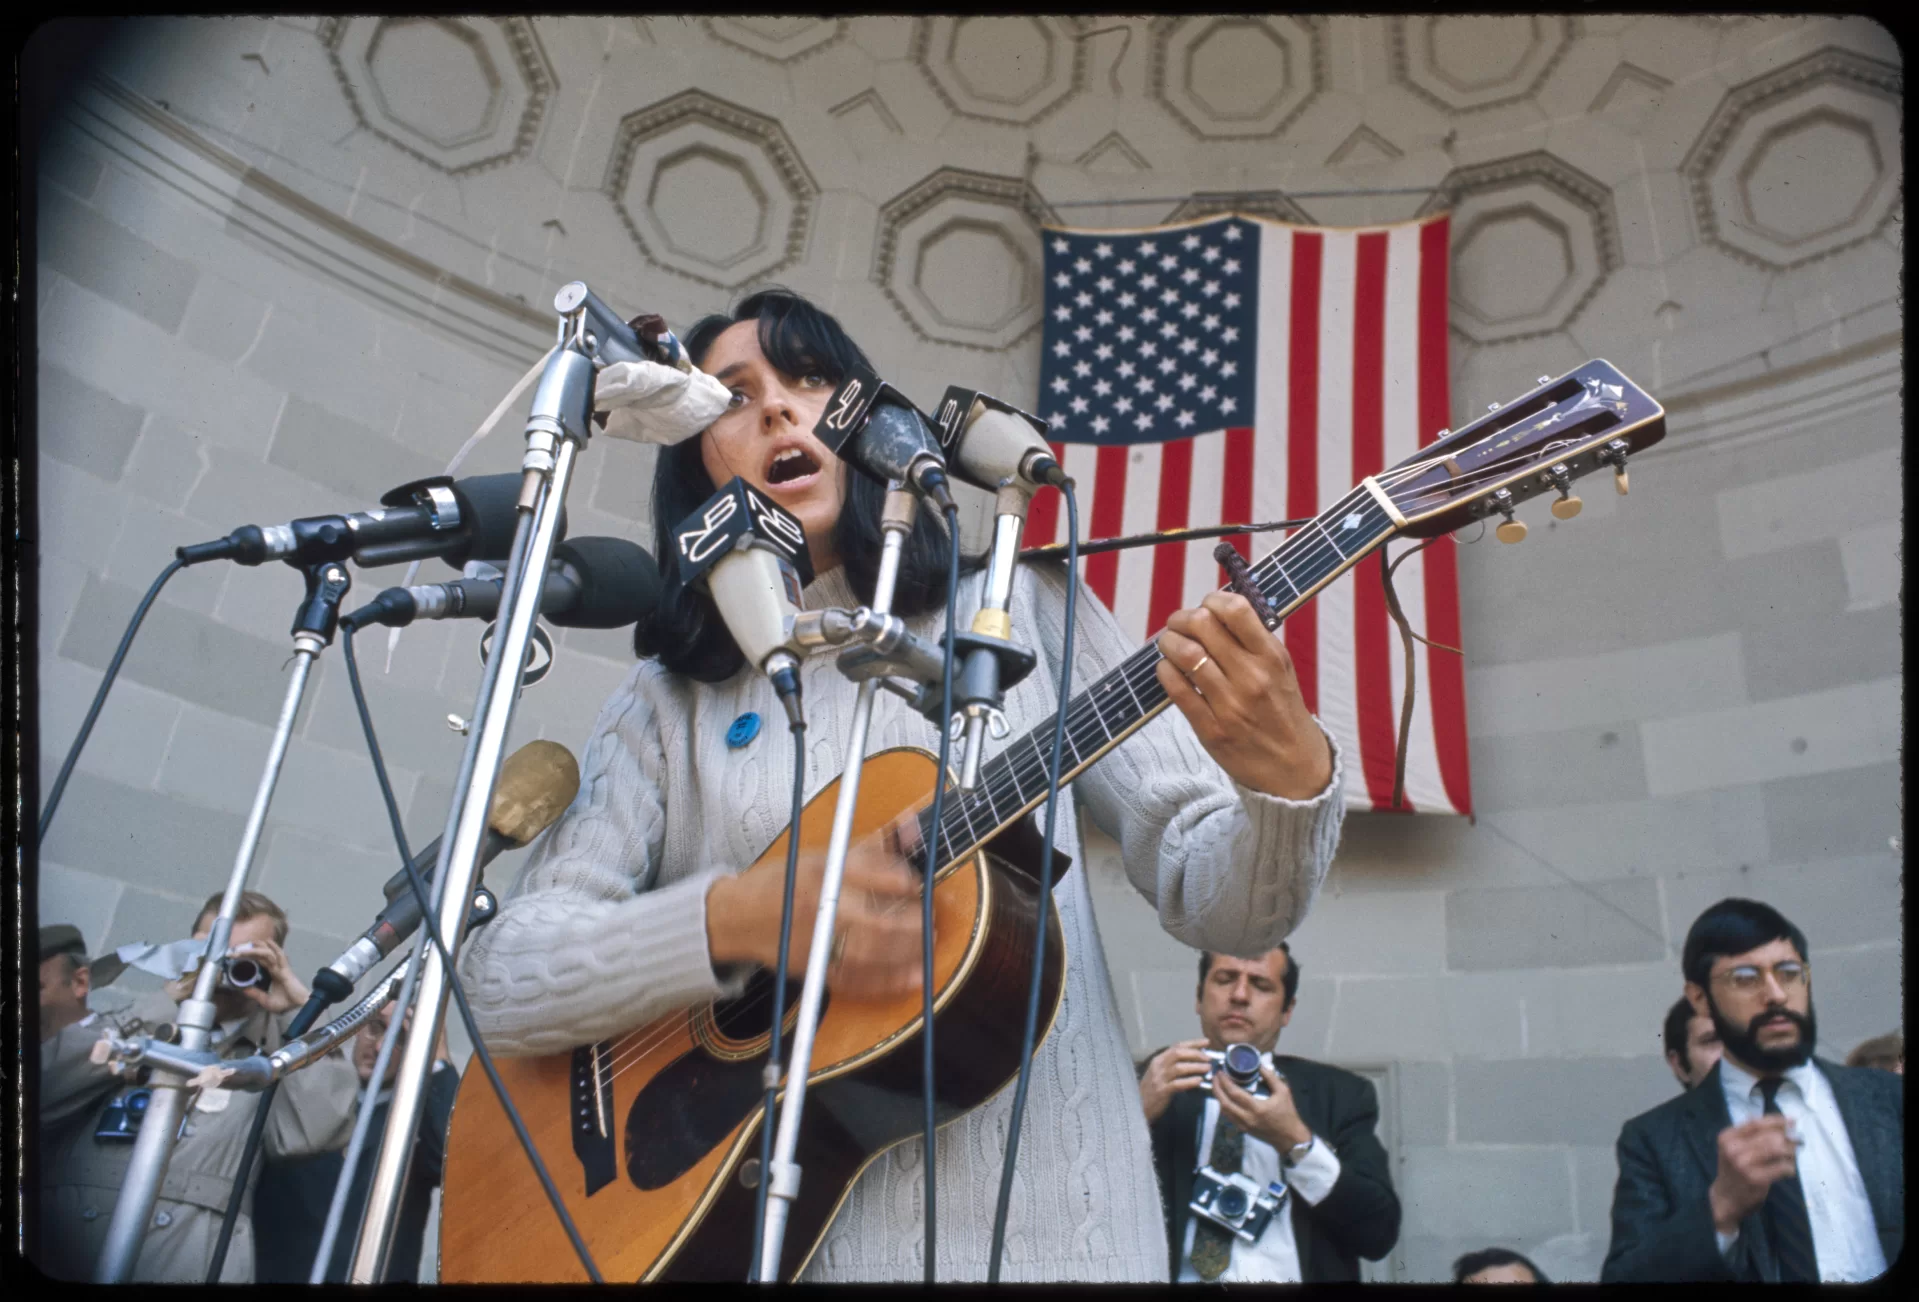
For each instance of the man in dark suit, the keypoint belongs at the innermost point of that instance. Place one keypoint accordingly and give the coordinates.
(1779, 1166)
(1310, 1140)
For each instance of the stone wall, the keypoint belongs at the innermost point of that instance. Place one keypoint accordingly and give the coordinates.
(286, 264)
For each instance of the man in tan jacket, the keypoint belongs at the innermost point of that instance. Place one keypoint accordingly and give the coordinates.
(87, 1126)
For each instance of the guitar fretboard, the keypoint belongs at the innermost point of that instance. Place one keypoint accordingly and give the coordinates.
(1123, 699)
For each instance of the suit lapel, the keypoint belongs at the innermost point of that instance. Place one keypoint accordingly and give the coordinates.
(1706, 1116)
(1875, 1145)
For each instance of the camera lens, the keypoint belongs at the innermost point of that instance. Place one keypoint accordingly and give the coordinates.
(244, 972)
(137, 1103)
(1242, 1062)
(1232, 1203)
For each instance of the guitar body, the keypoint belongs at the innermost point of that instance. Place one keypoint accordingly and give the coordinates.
(646, 1134)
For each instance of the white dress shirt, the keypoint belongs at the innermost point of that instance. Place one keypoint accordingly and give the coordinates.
(1845, 1238)
(1274, 1257)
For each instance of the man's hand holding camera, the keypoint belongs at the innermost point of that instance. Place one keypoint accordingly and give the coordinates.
(1272, 1118)
(282, 991)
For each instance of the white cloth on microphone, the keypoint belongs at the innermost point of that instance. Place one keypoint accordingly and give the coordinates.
(172, 960)
(651, 403)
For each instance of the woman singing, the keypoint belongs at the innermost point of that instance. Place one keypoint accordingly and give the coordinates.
(640, 902)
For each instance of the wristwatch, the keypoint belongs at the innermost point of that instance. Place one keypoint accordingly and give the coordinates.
(1297, 1153)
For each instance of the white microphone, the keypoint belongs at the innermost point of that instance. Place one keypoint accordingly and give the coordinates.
(751, 557)
(991, 444)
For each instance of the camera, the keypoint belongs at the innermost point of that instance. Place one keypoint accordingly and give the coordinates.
(120, 1122)
(1241, 1062)
(1236, 1201)
(238, 972)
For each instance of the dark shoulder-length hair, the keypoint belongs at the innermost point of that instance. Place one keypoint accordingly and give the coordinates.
(685, 633)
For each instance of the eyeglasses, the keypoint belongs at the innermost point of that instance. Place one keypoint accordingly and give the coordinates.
(1747, 978)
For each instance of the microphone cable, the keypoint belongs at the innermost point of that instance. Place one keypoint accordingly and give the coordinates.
(1031, 1032)
(932, 868)
(100, 697)
(432, 927)
(773, 1067)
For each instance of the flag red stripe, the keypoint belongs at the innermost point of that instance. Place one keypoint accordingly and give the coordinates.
(1043, 515)
(1169, 562)
(1109, 520)
(1373, 666)
(1236, 493)
(1445, 671)
(1302, 444)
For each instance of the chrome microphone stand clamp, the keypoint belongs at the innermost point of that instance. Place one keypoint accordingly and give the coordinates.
(783, 1177)
(314, 624)
(989, 660)
(557, 428)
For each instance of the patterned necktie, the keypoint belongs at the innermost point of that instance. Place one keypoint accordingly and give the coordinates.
(1213, 1244)
(1785, 1212)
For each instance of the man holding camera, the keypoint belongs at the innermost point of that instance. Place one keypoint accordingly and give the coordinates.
(91, 1116)
(1268, 1166)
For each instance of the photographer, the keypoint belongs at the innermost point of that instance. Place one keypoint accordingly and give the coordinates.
(96, 1116)
(1301, 1137)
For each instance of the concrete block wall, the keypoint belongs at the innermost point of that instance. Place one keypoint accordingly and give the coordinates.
(285, 264)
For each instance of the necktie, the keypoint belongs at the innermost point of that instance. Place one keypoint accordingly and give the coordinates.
(1213, 1244)
(1785, 1211)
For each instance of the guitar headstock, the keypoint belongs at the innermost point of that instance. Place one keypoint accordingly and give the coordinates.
(1590, 418)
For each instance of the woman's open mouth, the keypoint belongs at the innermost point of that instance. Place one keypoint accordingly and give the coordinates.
(791, 469)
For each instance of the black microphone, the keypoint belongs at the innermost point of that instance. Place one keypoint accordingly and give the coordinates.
(593, 583)
(537, 782)
(751, 557)
(458, 521)
(990, 443)
(872, 427)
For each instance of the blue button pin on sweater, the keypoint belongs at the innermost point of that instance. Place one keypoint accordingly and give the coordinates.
(744, 730)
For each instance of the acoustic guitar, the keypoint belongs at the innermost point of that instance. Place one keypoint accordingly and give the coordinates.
(651, 1136)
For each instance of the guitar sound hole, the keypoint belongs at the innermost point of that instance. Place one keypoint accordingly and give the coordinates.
(750, 1016)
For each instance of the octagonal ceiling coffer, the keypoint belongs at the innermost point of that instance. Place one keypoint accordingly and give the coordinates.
(710, 190)
(459, 94)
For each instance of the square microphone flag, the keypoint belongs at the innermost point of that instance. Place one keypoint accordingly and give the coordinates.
(1234, 370)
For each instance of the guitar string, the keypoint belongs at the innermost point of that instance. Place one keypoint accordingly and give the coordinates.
(1138, 673)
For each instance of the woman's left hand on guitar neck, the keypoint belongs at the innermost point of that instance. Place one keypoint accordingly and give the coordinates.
(1235, 684)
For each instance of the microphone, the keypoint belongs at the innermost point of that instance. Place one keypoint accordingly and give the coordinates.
(751, 557)
(593, 583)
(870, 425)
(458, 521)
(989, 443)
(611, 338)
(537, 782)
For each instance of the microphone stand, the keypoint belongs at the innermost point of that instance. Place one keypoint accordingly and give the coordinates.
(313, 626)
(783, 1176)
(992, 662)
(557, 427)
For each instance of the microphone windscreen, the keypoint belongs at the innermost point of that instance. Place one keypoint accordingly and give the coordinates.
(489, 504)
(537, 782)
(619, 582)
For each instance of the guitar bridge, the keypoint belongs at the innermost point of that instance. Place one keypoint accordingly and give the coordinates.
(592, 1105)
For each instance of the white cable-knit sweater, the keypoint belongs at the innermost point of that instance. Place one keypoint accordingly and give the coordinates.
(605, 930)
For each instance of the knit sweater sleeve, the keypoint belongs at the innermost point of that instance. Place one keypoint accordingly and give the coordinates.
(1229, 868)
(588, 944)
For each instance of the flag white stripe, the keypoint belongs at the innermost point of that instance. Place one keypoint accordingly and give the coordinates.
(1338, 676)
(1423, 785)
(1133, 590)
(1203, 508)
(1274, 377)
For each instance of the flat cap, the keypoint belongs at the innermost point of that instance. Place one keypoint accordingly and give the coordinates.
(62, 938)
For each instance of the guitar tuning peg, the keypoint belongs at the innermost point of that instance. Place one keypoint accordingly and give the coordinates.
(1512, 530)
(1568, 505)
(1615, 456)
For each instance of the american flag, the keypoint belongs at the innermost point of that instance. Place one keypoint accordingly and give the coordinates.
(1237, 369)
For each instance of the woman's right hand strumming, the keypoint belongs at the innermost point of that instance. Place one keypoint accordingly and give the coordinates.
(876, 936)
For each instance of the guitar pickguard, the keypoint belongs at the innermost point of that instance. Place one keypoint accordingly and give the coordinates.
(695, 1102)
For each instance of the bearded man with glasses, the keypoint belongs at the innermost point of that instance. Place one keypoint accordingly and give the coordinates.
(1778, 1166)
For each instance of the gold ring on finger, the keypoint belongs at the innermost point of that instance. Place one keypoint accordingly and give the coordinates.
(1203, 659)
